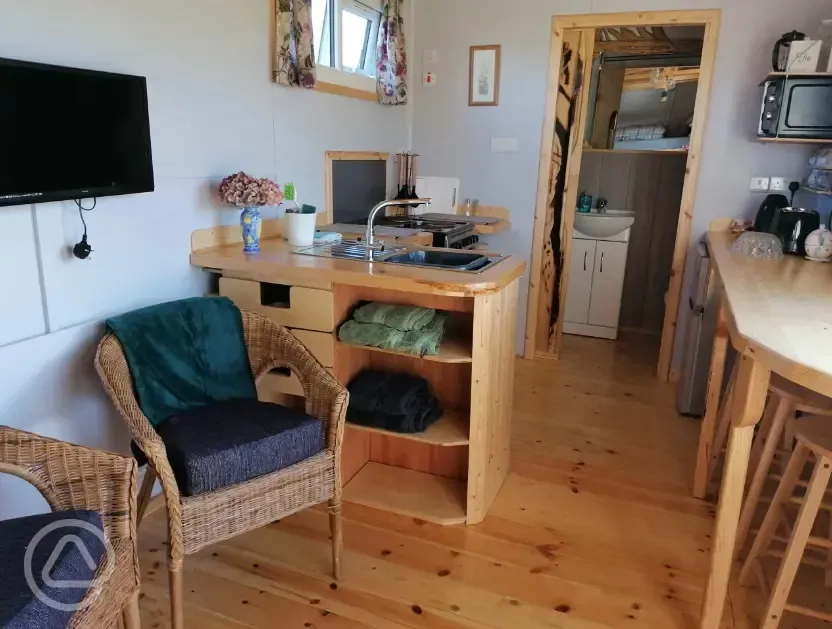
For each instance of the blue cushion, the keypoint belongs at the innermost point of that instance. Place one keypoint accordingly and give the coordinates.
(20, 608)
(231, 442)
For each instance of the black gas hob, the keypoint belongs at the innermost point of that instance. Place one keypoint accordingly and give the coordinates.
(447, 234)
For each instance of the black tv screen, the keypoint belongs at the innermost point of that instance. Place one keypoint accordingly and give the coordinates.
(67, 133)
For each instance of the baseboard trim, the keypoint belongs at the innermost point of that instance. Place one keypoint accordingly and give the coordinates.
(582, 329)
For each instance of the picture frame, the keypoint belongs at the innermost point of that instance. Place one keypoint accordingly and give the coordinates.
(484, 76)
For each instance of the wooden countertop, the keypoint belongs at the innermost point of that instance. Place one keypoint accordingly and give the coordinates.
(277, 262)
(779, 311)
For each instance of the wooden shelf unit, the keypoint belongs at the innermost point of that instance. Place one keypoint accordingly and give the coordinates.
(794, 140)
(452, 429)
(450, 473)
(406, 492)
(795, 75)
(451, 350)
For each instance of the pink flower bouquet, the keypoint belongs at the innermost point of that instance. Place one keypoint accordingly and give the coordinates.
(246, 191)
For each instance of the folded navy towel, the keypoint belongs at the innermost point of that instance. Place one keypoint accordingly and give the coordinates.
(392, 401)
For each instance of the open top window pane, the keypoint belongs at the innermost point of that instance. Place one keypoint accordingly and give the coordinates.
(356, 35)
(322, 31)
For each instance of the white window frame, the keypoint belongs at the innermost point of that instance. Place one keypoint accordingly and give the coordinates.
(337, 75)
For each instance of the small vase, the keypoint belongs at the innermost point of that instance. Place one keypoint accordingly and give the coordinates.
(252, 224)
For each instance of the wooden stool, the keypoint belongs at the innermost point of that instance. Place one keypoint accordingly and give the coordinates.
(814, 435)
(786, 399)
(779, 424)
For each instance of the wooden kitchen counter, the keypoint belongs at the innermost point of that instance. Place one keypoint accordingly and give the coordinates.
(777, 314)
(278, 262)
(451, 473)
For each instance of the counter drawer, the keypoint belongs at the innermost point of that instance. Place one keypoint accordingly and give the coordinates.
(290, 306)
(276, 384)
(320, 344)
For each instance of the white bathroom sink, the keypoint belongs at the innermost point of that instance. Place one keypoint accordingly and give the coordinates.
(604, 225)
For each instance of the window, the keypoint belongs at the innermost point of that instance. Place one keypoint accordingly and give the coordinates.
(348, 42)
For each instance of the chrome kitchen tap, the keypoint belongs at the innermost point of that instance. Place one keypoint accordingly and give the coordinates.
(370, 236)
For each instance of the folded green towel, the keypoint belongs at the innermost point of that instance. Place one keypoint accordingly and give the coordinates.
(404, 318)
(419, 342)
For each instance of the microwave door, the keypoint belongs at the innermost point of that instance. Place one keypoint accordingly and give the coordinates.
(810, 109)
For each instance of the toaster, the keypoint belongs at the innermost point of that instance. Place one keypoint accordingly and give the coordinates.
(791, 225)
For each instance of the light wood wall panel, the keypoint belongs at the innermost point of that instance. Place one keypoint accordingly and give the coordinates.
(650, 184)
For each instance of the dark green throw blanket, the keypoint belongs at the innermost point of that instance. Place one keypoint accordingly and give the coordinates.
(185, 354)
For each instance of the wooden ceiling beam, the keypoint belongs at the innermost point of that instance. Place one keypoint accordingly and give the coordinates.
(646, 79)
(651, 47)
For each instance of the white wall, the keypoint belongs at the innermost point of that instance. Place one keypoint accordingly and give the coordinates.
(214, 110)
(454, 139)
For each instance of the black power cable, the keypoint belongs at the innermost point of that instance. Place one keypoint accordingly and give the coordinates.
(83, 250)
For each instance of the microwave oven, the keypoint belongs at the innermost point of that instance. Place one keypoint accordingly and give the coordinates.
(797, 106)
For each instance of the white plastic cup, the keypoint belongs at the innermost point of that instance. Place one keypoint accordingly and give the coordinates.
(300, 229)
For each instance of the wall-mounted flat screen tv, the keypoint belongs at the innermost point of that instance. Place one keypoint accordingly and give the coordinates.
(67, 133)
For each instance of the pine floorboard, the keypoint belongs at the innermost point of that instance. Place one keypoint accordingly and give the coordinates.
(595, 528)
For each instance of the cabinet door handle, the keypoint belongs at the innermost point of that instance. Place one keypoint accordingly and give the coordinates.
(602, 263)
(585, 260)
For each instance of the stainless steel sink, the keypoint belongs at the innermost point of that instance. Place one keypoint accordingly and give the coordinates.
(444, 259)
(440, 259)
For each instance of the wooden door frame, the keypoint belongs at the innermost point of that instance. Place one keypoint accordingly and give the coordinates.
(710, 20)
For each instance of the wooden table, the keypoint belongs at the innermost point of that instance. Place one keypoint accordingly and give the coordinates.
(777, 314)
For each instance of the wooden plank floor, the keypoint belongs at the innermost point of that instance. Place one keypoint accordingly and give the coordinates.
(594, 528)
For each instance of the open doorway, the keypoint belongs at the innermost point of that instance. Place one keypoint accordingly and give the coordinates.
(640, 109)
(625, 115)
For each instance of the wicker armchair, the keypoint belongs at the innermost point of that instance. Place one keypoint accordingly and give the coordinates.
(72, 477)
(198, 521)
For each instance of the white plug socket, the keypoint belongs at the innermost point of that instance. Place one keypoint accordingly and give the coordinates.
(759, 184)
(778, 184)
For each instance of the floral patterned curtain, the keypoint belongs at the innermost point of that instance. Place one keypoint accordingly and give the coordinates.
(294, 58)
(392, 58)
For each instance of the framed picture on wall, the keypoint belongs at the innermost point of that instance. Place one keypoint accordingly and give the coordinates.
(484, 76)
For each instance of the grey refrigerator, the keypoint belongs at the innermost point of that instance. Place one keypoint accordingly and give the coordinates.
(699, 339)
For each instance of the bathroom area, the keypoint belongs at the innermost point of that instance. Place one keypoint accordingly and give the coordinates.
(622, 254)
(632, 176)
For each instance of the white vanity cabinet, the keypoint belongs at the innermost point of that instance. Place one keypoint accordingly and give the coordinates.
(579, 287)
(595, 286)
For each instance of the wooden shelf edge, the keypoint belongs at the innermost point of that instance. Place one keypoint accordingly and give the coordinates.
(451, 350)
(413, 494)
(795, 140)
(797, 75)
(450, 430)
(639, 151)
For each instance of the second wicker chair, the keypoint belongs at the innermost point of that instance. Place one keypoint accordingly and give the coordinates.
(72, 477)
(195, 522)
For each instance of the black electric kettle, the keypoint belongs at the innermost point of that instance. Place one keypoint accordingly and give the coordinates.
(780, 54)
